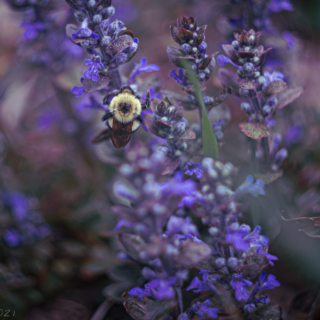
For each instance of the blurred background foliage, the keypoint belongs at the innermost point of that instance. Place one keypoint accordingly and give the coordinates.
(46, 155)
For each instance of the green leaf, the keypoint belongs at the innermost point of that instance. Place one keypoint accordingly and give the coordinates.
(209, 141)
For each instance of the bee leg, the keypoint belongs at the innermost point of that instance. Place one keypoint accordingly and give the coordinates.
(107, 116)
(108, 96)
(147, 102)
(139, 118)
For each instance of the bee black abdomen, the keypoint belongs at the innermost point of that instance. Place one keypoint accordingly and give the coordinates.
(121, 133)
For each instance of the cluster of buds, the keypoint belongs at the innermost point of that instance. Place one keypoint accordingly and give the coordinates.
(245, 53)
(167, 122)
(192, 50)
(109, 42)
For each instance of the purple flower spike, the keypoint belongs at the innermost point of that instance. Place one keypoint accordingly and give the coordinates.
(202, 308)
(239, 284)
(194, 168)
(269, 283)
(268, 255)
(92, 72)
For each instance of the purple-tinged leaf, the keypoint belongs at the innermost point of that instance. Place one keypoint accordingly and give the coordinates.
(127, 32)
(170, 165)
(206, 61)
(161, 108)
(221, 98)
(263, 55)
(134, 244)
(188, 134)
(288, 96)
(123, 42)
(252, 266)
(146, 309)
(123, 212)
(229, 79)
(254, 131)
(274, 88)
(173, 54)
(268, 177)
(247, 84)
(201, 33)
(269, 311)
(184, 35)
(230, 52)
(102, 136)
(190, 88)
(192, 252)
(245, 54)
(174, 34)
(178, 112)
(243, 40)
(91, 86)
(162, 125)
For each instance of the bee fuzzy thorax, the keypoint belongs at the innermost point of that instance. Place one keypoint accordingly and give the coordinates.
(125, 107)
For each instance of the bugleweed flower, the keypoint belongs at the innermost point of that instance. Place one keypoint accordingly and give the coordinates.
(109, 42)
(239, 284)
(95, 64)
(203, 308)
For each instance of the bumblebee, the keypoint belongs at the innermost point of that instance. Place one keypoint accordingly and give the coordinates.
(124, 116)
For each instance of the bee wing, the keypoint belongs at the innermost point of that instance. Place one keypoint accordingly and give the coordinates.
(102, 136)
(121, 133)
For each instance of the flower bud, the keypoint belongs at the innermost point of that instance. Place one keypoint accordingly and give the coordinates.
(246, 107)
(248, 68)
(79, 15)
(214, 231)
(220, 263)
(273, 101)
(256, 60)
(111, 11)
(256, 75)
(235, 44)
(97, 18)
(252, 39)
(203, 47)
(148, 273)
(180, 127)
(194, 50)
(232, 263)
(240, 73)
(266, 110)
(185, 48)
(105, 41)
(281, 155)
(91, 3)
(261, 81)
